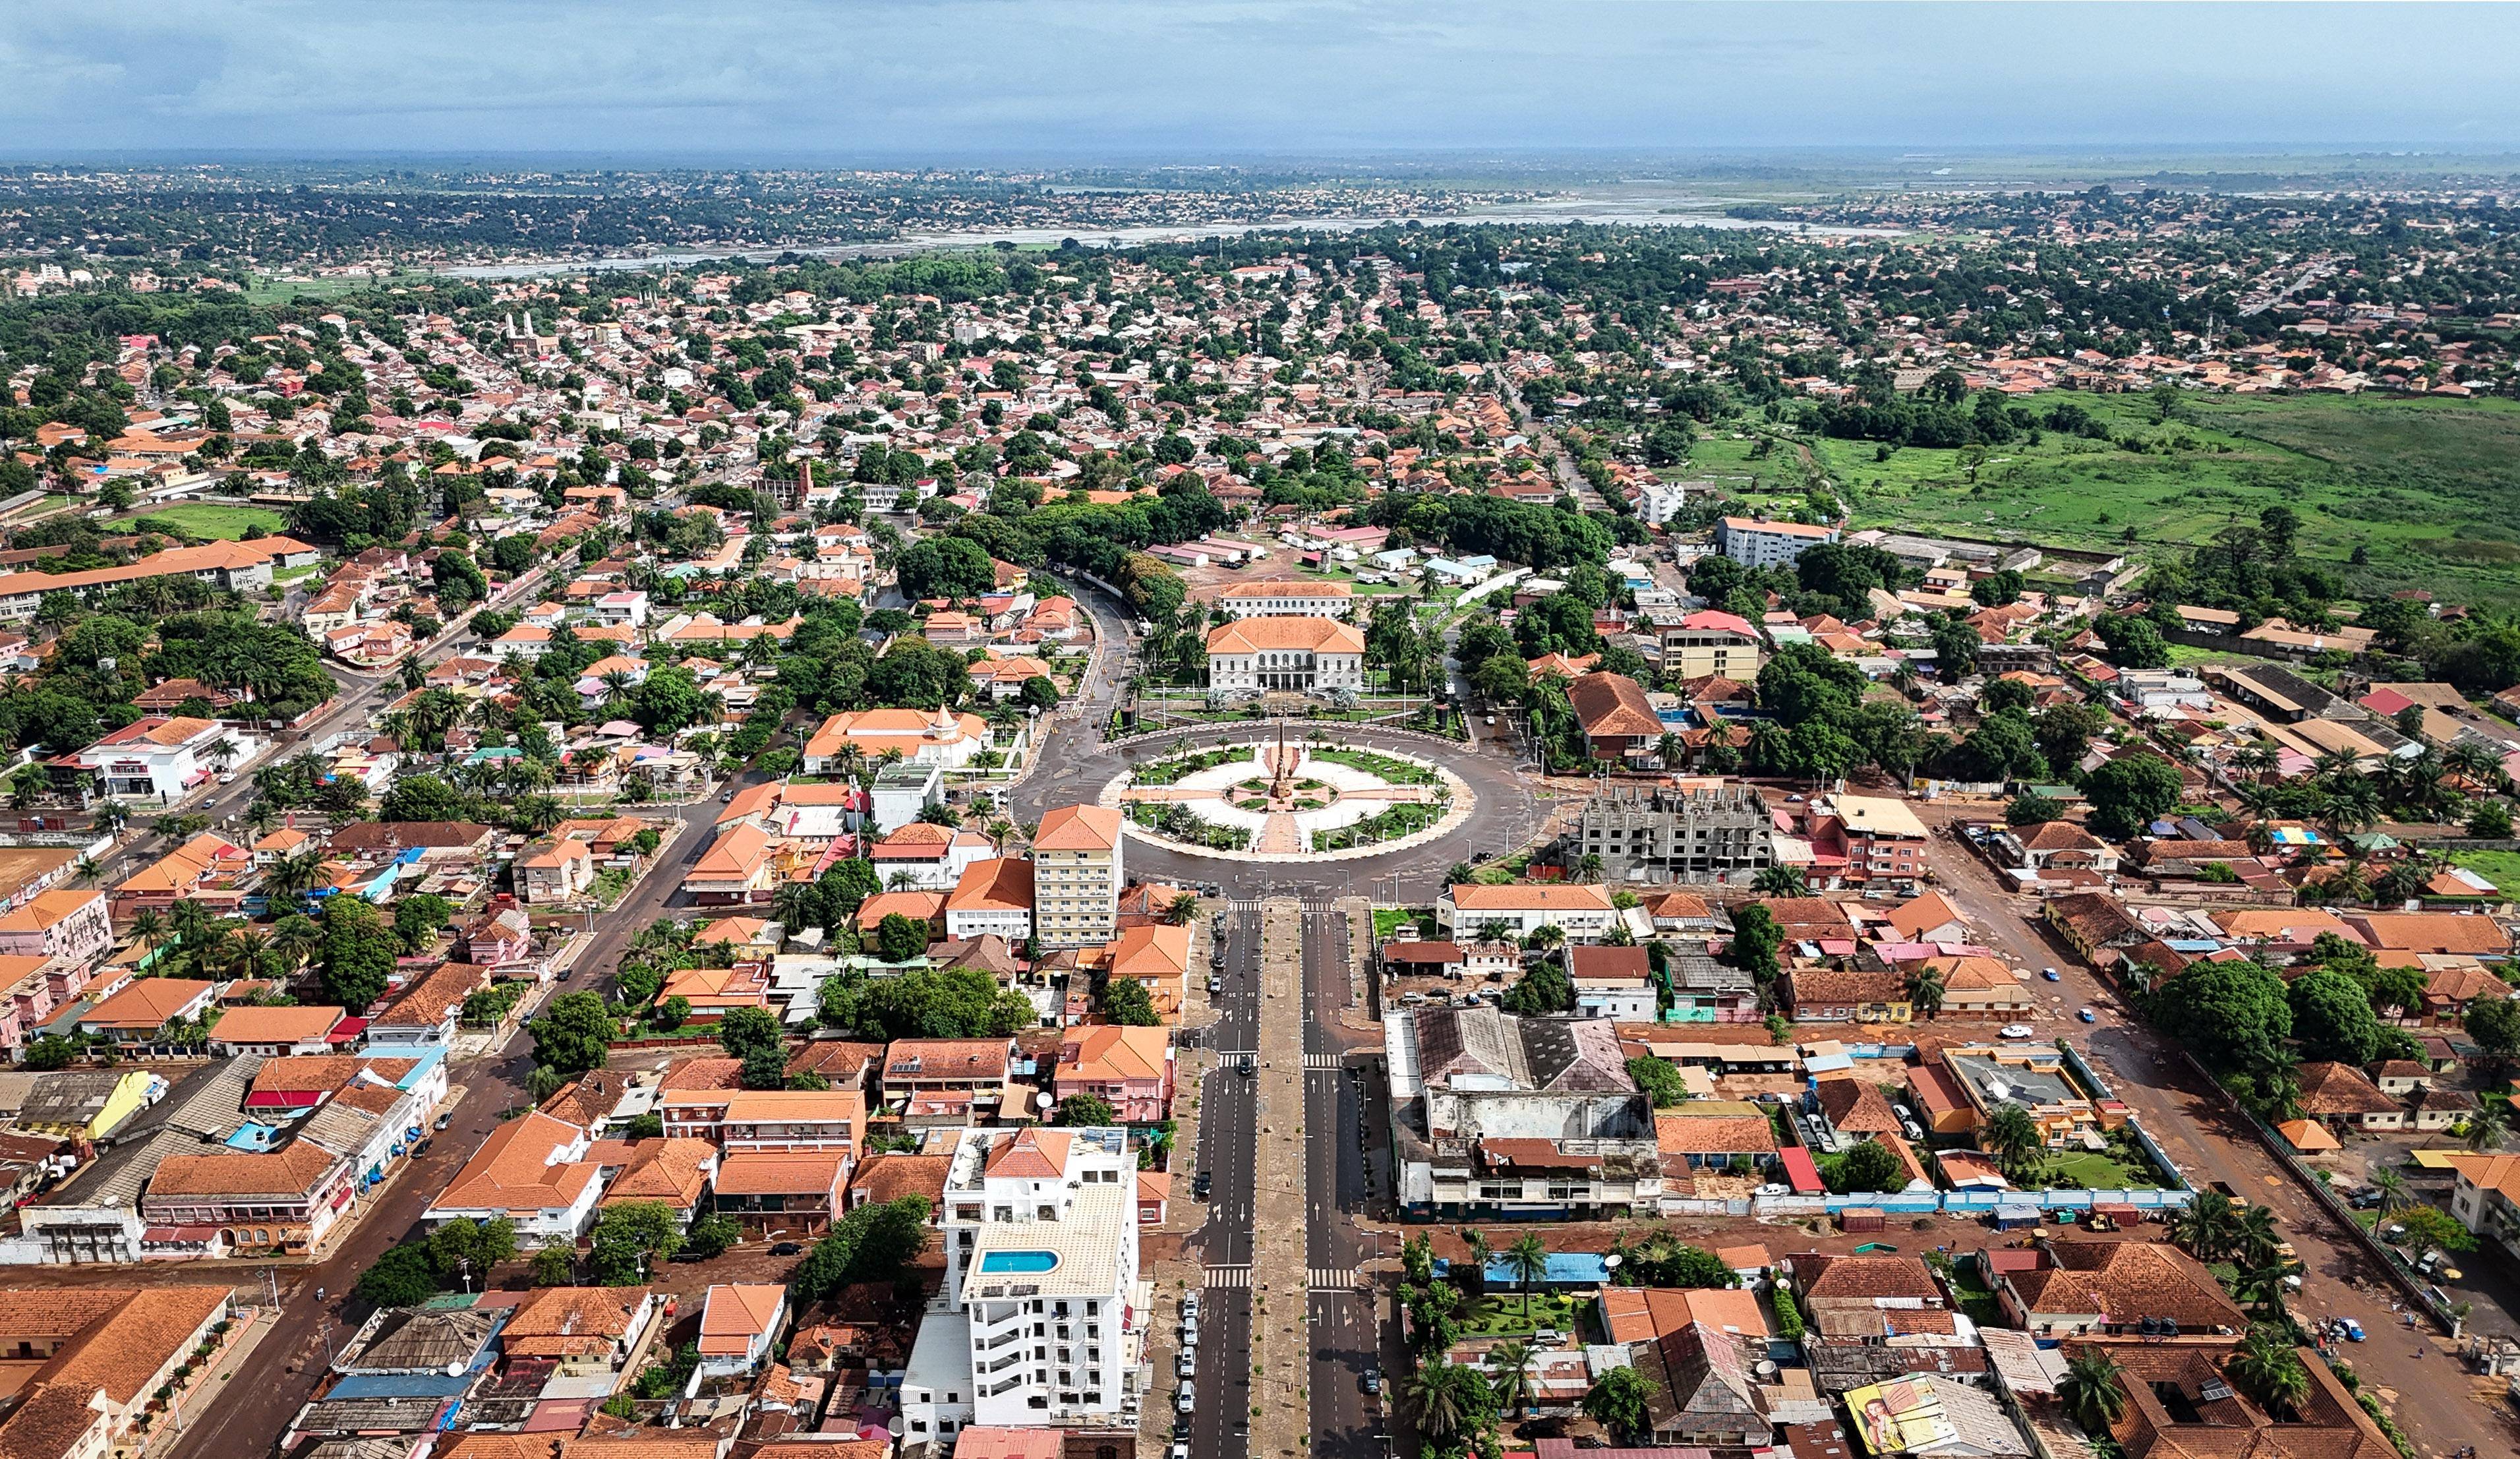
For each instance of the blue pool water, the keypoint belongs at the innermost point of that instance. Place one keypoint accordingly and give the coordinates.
(1000, 1263)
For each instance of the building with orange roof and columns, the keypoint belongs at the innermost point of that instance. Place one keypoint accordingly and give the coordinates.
(739, 1324)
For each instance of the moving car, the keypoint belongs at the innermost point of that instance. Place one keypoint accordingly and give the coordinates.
(2353, 1329)
(1374, 1380)
(1247, 1067)
(2051, 974)
(1198, 1188)
(1215, 985)
(2017, 1030)
(2087, 1016)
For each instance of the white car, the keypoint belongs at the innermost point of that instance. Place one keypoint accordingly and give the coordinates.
(2018, 1030)
(1185, 1400)
(1190, 1331)
(1190, 1305)
(1187, 1365)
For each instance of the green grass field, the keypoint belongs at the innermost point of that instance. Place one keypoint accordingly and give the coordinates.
(211, 519)
(2501, 868)
(2429, 488)
(2097, 1172)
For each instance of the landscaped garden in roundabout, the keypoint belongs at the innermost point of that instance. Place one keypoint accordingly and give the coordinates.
(1285, 797)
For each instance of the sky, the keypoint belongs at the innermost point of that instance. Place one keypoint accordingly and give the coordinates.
(910, 81)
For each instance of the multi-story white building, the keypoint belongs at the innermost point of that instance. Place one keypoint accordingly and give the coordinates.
(1076, 876)
(1300, 655)
(1767, 544)
(1583, 911)
(1041, 1283)
(1286, 599)
(163, 756)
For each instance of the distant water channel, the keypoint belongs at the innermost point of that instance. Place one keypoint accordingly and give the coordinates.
(1640, 206)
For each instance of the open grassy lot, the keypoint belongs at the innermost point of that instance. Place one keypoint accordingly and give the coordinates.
(210, 518)
(2429, 488)
(2501, 868)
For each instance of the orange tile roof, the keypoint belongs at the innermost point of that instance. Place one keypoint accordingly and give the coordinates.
(513, 1171)
(1034, 1154)
(751, 1172)
(278, 1024)
(734, 1315)
(1114, 1052)
(1079, 828)
(1002, 883)
(148, 1002)
(292, 1171)
(1305, 634)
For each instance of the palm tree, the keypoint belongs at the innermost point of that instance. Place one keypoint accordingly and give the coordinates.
(2392, 1189)
(2012, 1137)
(1780, 881)
(2270, 1371)
(1180, 910)
(295, 940)
(998, 832)
(1480, 1250)
(291, 877)
(1510, 1361)
(249, 952)
(2254, 1238)
(1547, 935)
(85, 868)
(1925, 993)
(900, 880)
(221, 754)
(148, 930)
(1430, 1392)
(794, 904)
(1528, 1261)
(618, 684)
(2206, 1225)
(261, 817)
(191, 921)
(113, 816)
(2488, 1126)
(2262, 1288)
(2476, 762)
(2335, 766)
(2352, 805)
(2092, 1390)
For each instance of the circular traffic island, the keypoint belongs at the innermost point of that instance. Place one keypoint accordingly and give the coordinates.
(1285, 800)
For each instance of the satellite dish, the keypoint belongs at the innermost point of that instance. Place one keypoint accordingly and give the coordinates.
(455, 1367)
(1765, 1368)
(1044, 1100)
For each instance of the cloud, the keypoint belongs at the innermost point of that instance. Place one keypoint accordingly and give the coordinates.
(912, 81)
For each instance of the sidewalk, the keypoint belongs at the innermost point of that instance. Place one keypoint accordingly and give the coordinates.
(252, 1325)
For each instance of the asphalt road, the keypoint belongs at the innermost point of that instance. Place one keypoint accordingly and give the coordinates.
(1344, 1326)
(1229, 1132)
(1076, 761)
(280, 1375)
(2413, 1371)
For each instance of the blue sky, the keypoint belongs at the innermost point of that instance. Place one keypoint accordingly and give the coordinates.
(1081, 80)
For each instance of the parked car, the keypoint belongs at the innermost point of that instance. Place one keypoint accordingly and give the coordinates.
(1374, 1380)
(1187, 1365)
(1185, 1400)
(422, 1147)
(2017, 1030)
(1189, 1331)
(1199, 1186)
(1215, 985)
(788, 1249)
(2087, 1016)
(2353, 1329)
(443, 1120)
(2051, 974)
(1190, 1300)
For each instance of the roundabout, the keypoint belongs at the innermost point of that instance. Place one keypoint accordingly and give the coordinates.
(1280, 797)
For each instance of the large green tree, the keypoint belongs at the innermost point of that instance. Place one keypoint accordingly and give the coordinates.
(2234, 1015)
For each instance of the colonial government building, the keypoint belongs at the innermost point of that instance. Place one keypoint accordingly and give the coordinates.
(1302, 655)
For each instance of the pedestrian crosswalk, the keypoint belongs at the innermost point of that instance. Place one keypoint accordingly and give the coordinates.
(1228, 1276)
(1330, 1279)
(1324, 1060)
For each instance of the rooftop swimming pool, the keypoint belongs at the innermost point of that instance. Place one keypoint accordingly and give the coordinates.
(1005, 1263)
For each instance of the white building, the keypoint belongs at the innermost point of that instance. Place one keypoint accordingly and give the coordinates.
(533, 1170)
(1301, 655)
(1077, 876)
(163, 756)
(1767, 544)
(1287, 599)
(1660, 502)
(1041, 1247)
(901, 792)
(1583, 911)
